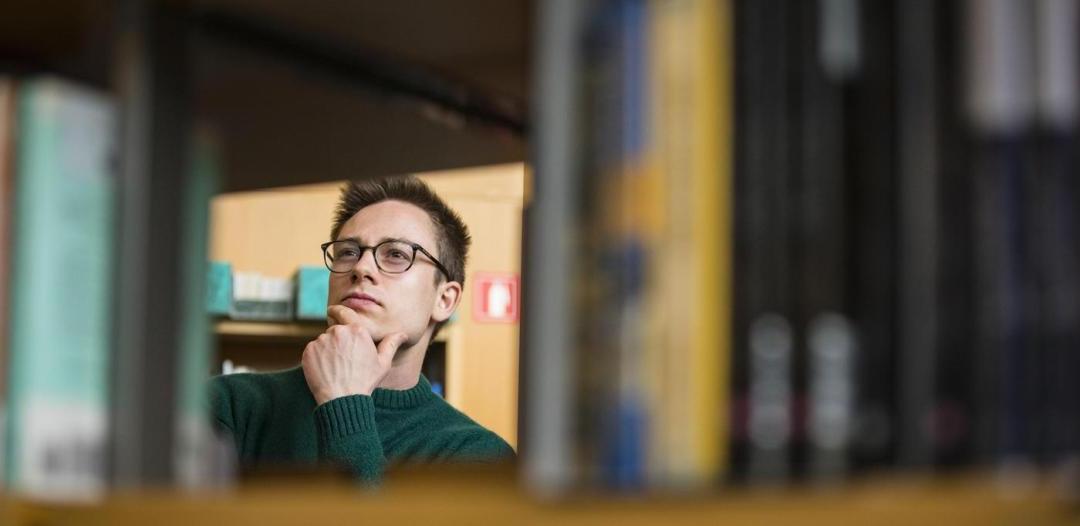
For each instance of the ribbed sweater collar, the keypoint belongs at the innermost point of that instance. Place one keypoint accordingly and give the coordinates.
(407, 399)
(391, 398)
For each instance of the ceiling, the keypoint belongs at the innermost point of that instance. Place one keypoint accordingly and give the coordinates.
(285, 120)
(481, 42)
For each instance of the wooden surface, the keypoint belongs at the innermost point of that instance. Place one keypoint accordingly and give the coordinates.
(235, 330)
(232, 329)
(485, 499)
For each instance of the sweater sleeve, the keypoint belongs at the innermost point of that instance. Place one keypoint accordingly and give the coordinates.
(485, 447)
(346, 434)
(220, 404)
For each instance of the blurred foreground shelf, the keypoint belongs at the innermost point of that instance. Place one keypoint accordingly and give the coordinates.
(484, 499)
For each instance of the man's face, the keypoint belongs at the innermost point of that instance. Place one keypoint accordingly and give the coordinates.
(390, 303)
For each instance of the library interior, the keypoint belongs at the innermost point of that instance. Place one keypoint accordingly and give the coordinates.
(647, 261)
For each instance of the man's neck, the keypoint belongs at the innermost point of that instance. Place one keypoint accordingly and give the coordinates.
(405, 371)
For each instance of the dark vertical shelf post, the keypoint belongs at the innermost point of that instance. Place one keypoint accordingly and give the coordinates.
(547, 346)
(151, 74)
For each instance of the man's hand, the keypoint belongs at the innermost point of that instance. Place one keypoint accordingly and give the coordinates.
(344, 360)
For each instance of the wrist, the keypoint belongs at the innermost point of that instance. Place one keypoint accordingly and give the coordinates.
(323, 397)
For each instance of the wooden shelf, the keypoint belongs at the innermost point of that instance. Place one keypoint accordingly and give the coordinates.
(250, 331)
(463, 498)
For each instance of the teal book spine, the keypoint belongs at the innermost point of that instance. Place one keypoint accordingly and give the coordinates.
(62, 280)
(312, 288)
(219, 291)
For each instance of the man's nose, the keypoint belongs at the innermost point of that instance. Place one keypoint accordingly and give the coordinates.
(366, 266)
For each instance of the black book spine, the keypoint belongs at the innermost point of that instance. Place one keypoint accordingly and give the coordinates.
(762, 293)
(871, 187)
(953, 417)
(918, 264)
(828, 50)
(1057, 254)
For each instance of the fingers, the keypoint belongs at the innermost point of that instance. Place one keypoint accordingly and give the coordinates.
(334, 315)
(342, 315)
(331, 319)
(389, 346)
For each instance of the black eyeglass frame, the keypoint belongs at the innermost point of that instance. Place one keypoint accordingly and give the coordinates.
(375, 250)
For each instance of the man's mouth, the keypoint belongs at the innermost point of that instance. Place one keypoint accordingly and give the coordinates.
(359, 300)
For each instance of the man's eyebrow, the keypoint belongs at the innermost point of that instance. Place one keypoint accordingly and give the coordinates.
(384, 239)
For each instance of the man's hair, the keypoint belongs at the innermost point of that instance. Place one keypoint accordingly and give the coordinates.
(451, 233)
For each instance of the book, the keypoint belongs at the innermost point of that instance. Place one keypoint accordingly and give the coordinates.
(200, 458)
(7, 182)
(1000, 103)
(953, 420)
(763, 334)
(918, 176)
(870, 157)
(61, 281)
(1057, 254)
(688, 203)
(826, 62)
(654, 277)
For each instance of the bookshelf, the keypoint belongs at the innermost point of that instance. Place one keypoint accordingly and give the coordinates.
(311, 136)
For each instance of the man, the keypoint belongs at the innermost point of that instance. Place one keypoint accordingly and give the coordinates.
(397, 262)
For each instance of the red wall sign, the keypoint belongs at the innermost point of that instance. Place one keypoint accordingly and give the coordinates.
(496, 297)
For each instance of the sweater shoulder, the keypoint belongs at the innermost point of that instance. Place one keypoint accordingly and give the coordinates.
(467, 439)
(234, 396)
(246, 385)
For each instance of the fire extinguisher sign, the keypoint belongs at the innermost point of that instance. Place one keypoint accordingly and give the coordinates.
(496, 297)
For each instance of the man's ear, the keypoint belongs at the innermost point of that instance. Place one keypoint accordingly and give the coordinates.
(447, 298)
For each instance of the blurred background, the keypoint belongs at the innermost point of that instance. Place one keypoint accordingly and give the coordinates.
(754, 260)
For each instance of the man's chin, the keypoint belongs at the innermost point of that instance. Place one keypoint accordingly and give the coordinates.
(365, 320)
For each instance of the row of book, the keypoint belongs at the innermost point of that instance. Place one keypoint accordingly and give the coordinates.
(810, 239)
(245, 295)
(905, 258)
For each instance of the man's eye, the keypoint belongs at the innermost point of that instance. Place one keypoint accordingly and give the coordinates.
(346, 253)
(396, 254)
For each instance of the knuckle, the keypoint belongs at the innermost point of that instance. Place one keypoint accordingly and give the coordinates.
(313, 347)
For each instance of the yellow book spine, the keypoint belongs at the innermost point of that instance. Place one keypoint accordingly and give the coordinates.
(712, 231)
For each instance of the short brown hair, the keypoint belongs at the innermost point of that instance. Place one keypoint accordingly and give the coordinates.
(451, 233)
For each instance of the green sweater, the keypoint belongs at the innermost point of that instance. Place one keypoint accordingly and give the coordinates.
(273, 419)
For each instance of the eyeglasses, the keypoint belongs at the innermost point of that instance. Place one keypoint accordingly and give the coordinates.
(391, 256)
